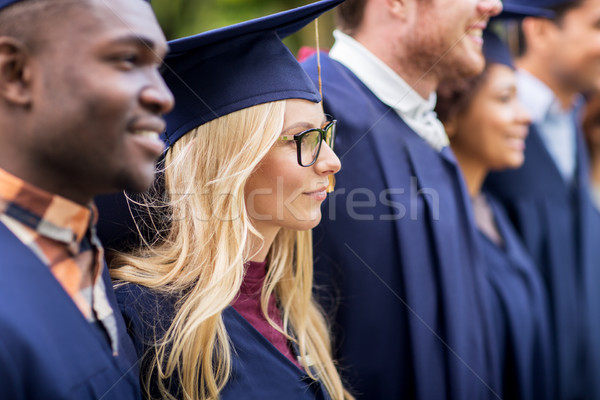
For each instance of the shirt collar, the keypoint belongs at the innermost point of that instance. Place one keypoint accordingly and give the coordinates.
(386, 84)
(51, 215)
(539, 99)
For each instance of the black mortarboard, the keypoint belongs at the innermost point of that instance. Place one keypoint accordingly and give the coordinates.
(224, 70)
(534, 8)
(6, 3)
(212, 74)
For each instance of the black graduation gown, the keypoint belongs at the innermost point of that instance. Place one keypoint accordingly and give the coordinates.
(48, 350)
(522, 317)
(259, 370)
(396, 257)
(560, 228)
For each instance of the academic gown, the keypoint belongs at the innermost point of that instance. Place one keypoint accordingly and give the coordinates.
(116, 228)
(560, 229)
(522, 318)
(396, 259)
(259, 370)
(48, 350)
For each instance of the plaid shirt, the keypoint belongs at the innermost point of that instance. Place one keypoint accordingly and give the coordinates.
(62, 235)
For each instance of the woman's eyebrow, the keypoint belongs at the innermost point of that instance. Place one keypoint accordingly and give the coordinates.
(297, 125)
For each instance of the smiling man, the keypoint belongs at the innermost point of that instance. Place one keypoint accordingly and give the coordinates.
(81, 101)
(395, 250)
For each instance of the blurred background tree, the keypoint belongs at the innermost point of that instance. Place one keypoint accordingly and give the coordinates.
(187, 17)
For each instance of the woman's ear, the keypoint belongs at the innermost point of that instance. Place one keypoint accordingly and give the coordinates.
(15, 72)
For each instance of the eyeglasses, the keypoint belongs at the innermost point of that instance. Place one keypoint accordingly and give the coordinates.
(308, 143)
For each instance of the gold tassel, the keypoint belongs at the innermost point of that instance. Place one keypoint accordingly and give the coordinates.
(331, 178)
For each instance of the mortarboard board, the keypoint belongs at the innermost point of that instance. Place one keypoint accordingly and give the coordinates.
(495, 51)
(533, 8)
(6, 3)
(224, 70)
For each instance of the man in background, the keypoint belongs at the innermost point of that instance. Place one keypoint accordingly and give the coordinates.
(395, 251)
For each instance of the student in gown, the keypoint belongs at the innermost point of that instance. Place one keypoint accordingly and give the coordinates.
(220, 304)
(548, 198)
(396, 252)
(487, 126)
(78, 117)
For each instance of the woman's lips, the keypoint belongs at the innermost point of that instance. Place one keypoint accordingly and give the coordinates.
(319, 194)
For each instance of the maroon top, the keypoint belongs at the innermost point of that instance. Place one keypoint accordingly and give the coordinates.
(247, 304)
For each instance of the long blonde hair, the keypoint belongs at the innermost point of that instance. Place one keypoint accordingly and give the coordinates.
(200, 258)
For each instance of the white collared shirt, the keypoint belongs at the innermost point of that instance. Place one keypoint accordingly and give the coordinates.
(391, 89)
(555, 125)
(595, 191)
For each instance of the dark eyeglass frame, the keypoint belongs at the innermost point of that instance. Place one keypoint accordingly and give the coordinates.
(330, 124)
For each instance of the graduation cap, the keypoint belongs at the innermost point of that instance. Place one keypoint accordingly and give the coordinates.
(212, 74)
(224, 70)
(6, 3)
(533, 8)
(495, 51)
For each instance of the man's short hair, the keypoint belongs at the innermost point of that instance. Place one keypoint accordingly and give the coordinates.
(29, 20)
(349, 15)
(562, 9)
(559, 11)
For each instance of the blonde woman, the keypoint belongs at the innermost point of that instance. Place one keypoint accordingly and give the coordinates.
(220, 304)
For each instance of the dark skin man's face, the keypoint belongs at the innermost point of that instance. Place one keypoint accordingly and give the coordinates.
(97, 102)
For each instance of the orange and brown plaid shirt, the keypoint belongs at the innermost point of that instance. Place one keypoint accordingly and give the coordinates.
(62, 235)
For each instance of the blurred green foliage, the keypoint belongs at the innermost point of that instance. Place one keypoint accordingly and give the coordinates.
(180, 18)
